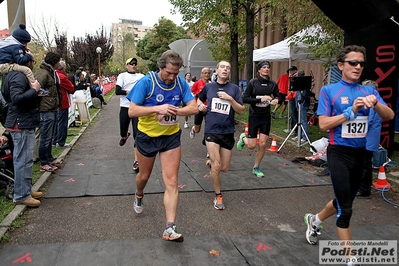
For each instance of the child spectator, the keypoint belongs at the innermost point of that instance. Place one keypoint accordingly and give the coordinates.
(14, 55)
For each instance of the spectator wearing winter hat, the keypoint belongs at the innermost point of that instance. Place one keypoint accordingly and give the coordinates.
(14, 55)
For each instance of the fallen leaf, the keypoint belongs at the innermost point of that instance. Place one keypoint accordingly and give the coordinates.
(214, 252)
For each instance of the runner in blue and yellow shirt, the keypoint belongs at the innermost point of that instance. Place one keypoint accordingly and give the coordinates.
(155, 100)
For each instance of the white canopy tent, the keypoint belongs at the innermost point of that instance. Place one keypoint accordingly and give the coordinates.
(287, 50)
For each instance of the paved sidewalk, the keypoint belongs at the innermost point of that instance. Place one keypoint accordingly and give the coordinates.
(19, 209)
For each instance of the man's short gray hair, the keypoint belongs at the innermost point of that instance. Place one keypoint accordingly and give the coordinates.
(62, 65)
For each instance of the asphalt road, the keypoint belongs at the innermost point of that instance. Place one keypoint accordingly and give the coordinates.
(250, 212)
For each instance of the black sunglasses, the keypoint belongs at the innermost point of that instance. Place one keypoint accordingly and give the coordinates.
(133, 63)
(355, 63)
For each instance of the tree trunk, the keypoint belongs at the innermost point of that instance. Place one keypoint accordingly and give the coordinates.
(250, 21)
(234, 43)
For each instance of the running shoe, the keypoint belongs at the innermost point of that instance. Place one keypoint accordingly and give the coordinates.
(170, 234)
(66, 145)
(138, 203)
(136, 166)
(124, 139)
(192, 133)
(185, 125)
(273, 115)
(312, 231)
(218, 203)
(240, 142)
(257, 172)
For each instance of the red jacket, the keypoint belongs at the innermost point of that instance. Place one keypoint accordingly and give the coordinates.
(66, 89)
(282, 83)
(197, 88)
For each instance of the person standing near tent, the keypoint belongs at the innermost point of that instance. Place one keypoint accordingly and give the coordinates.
(283, 86)
(343, 109)
(260, 94)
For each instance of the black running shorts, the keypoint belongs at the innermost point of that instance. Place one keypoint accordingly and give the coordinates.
(225, 141)
(150, 146)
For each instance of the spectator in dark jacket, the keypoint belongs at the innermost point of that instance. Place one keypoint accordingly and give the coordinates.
(21, 121)
(67, 88)
(80, 83)
(48, 108)
(99, 92)
(14, 54)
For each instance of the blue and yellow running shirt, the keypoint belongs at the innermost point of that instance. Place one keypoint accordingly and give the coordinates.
(152, 91)
(334, 99)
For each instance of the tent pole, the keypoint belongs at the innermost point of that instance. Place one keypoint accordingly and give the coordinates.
(288, 115)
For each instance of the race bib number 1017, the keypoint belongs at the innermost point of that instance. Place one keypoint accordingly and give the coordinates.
(220, 106)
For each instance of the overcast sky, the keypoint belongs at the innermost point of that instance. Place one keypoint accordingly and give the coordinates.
(78, 17)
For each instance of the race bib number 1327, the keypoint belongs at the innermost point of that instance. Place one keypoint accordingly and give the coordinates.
(356, 128)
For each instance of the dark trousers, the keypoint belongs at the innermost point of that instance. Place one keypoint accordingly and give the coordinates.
(367, 178)
(124, 121)
(346, 168)
(293, 114)
(99, 96)
(62, 127)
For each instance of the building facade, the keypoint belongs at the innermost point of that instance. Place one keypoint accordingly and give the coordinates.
(272, 34)
(125, 26)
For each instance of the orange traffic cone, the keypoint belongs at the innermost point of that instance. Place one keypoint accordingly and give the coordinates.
(382, 179)
(246, 129)
(273, 148)
(246, 133)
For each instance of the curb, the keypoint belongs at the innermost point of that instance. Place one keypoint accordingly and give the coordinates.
(19, 209)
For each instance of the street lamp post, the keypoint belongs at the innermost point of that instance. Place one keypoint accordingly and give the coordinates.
(99, 50)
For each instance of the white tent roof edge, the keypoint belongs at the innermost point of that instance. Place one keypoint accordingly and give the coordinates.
(283, 51)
